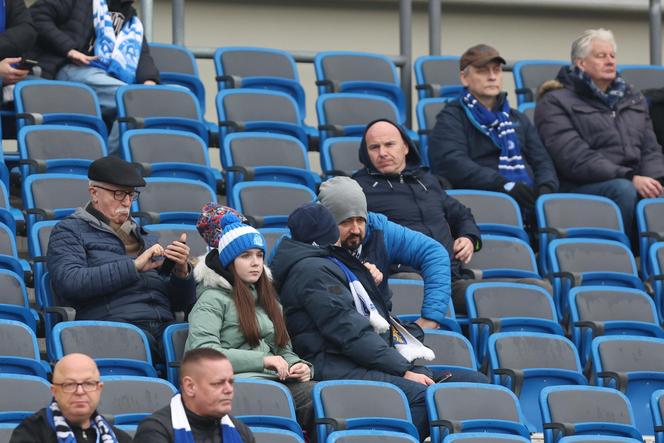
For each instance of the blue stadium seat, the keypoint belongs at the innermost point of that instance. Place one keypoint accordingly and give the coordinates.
(19, 351)
(264, 403)
(643, 77)
(370, 436)
(274, 435)
(169, 232)
(426, 111)
(53, 196)
(407, 298)
(634, 366)
(453, 352)
(174, 338)
(527, 362)
(129, 399)
(339, 156)
(22, 395)
(484, 437)
(586, 410)
(657, 410)
(650, 225)
(530, 74)
(529, 110)
(268, 204)
(461, 408)
(14, 304)
(360, 404)
(597, 439)
(437, 76)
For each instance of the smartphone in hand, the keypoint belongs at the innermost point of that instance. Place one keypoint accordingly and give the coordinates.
(26, 64)
(167, 266)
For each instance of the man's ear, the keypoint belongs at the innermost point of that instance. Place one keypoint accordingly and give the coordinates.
(187, 386)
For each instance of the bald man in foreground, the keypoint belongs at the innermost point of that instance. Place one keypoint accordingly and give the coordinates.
(72, 415)
(200, 413)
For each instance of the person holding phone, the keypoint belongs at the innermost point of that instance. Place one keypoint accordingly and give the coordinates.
(107, 267)
(237, 313)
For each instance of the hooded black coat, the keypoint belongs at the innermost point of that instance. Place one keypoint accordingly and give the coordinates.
(416, 200)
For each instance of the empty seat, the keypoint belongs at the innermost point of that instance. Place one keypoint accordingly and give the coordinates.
(53, 196)
(656, 264)
(22, 395)
(359, 72)
(527, 362)
(170, 153)
(259, 110)
(484, 437)
(264, 403)
(634, 366)
(643, 77)
(577, 215)
(597, 439)
(407, 299)
(437, 76)
(530, 74)
(274, 435)
(578, 410)
(657, 410)
(370, 436)
(452, 350)
(503, 257)
(361, 405)
(427, 110)
(339, 156)
(174, 338)
(460, 408)
(172, 200)
(38, 237)
(650, 225)
(261, 156)
(505, 307)
(609, 310)
(19, 352)
(54, 148)
(494, 212)
(268, 204)
(125, 349)
(14, 304)
(170, 232)
(160, 107)
(130, 399)
(585, 262)
(57, 102)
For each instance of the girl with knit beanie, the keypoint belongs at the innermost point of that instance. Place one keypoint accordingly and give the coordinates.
(237, 313)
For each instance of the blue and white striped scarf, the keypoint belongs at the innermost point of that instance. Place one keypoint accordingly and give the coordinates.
(63, 431)
(118, 55)
(182, 431)
(612, 95)
(499, 128)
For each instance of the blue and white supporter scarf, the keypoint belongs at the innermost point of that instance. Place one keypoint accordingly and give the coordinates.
(499, 128)
(182, 431)
(612, 95)
(118, 55)
(404, 342)
(64, 433)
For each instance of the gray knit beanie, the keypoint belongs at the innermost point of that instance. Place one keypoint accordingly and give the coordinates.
(344, 197)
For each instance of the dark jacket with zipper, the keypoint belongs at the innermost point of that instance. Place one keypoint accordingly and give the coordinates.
(91, 271)
(63, 25)
(19, 35)
(468, 158)
(591, 142)
(416, 200)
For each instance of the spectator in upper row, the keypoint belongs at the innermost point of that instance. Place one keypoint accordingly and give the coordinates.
(97, 42)
(380, 244)
(597, 128)
(396, 185)
(108, 268)
(17, 36)
(479, 142)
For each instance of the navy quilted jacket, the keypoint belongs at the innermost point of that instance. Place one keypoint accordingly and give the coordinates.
(91, 272)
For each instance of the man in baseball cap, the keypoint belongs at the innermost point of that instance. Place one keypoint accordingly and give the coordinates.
(108, 268)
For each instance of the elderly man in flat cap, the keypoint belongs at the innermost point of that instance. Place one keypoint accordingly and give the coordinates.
(108, 268)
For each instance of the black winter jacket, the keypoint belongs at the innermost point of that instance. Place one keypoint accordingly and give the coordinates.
(465, 156)
(63, 25)
(37, 429)
(20, 34)
(416, 200)
(590, 142)
(158, 428)
(320, 314)
(91, 271)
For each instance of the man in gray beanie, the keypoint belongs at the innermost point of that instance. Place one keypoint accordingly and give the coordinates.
(374, 240)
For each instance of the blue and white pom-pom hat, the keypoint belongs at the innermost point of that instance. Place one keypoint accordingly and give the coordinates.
(237, 238)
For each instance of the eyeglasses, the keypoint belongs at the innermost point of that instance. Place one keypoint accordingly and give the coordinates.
(88, 386)
(121, 195)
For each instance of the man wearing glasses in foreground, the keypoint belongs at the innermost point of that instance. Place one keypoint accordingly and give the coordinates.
(108, 268)
(72, 415)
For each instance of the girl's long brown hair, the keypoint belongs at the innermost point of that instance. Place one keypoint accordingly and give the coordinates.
(246, 309)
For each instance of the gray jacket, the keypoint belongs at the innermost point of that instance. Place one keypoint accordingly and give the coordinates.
(590, 142)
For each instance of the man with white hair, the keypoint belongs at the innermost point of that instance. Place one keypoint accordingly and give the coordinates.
(108, 268)
(597, 128)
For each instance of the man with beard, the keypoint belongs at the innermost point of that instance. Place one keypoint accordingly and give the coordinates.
(108, 268)
(379, 243)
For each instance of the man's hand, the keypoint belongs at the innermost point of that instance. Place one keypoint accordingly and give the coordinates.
(278, 364)
(79, 58)
(178, 251)
(375, 273)
(9, 74)
(149, 82)
(463, 249)
(144, 262)
(647, 187)
(300, 372)
(418, 378)
(425, 323)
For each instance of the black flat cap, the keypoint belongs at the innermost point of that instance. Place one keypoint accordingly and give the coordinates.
(114, 170)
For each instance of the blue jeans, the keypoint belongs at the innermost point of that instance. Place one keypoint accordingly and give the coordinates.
(622, 192)
(105, 86)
